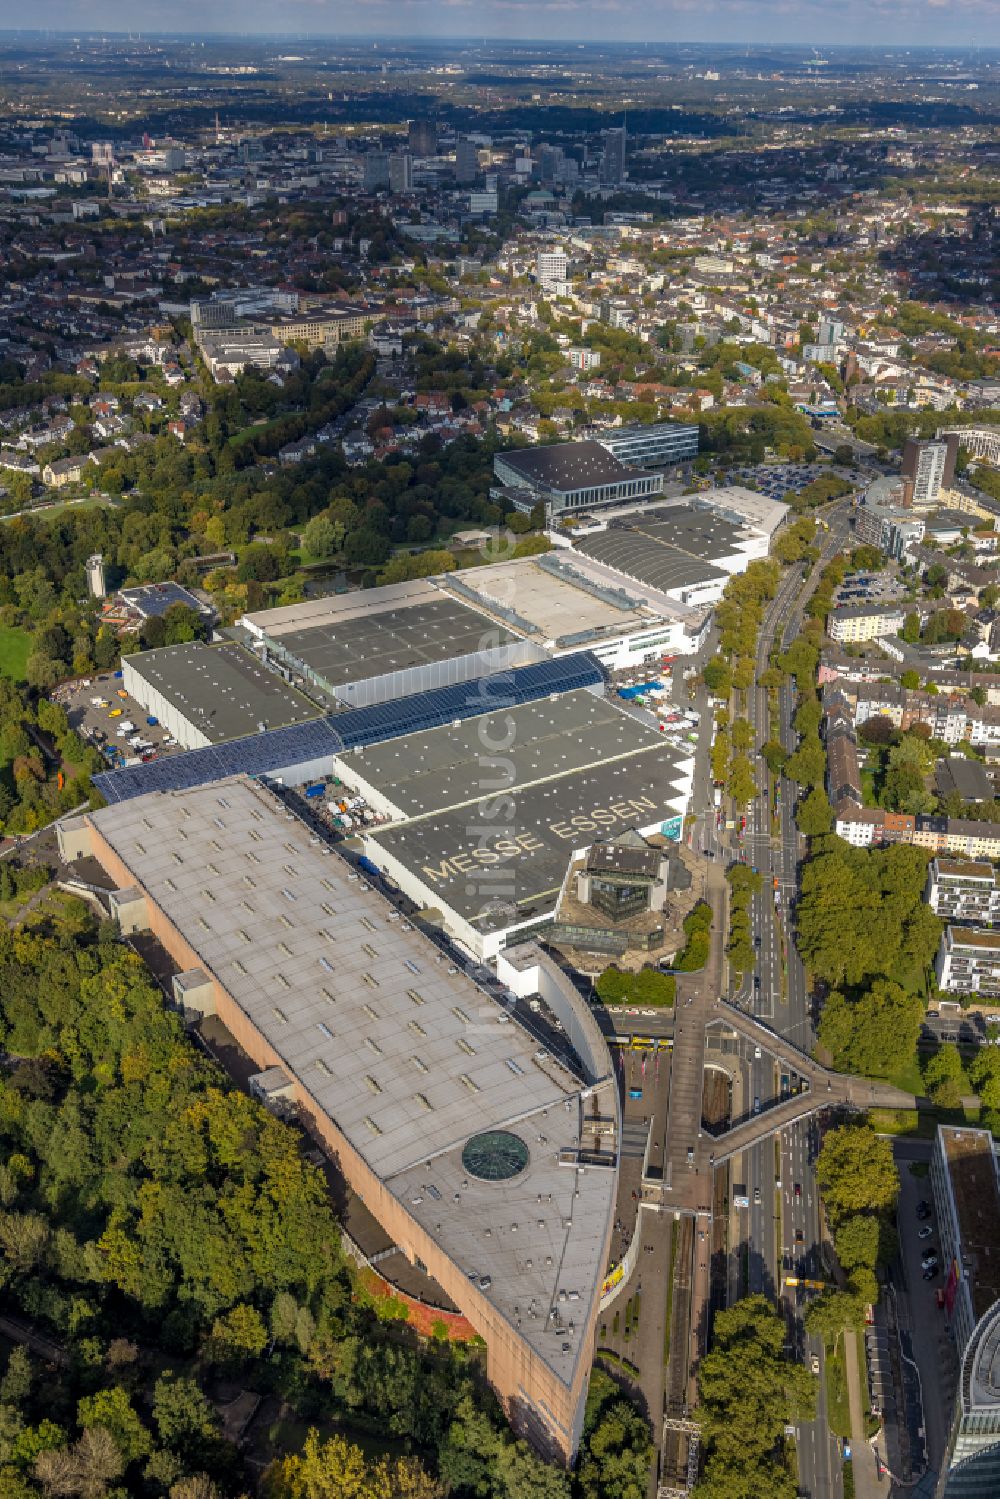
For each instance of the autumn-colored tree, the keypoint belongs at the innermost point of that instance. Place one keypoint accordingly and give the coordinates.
(336, 1469)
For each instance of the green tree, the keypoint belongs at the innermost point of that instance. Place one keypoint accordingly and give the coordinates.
(366, 548)
(808, 717)
(646, 987)
(830, 1312)
(113, 1410)
(808, 764)
(742, 735)
(944, 1077)
(856, 1173)
(238, 1335)
(814, 814)
(874, 1032)
(718, 677)
(720, 756)
(741, 784)
(616, 1449)
(748, 1392)
(857, 1241)
(323, 536)
(775, 756)
(15, 1387)
(984, 1074)
(184, 1418)
(861, 915)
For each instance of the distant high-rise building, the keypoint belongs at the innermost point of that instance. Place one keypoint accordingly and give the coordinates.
(376, 171)
(551, 267)
(487, 202)
(550, 161)
(930, 466)
(830, 331)
(613, 160)
(466, 160)
(422, 137)
(401, 172)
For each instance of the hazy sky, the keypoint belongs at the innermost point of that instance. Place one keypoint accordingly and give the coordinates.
(947, 23)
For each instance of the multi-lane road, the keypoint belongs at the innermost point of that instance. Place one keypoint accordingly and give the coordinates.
(780, 1227)
(783, 1218)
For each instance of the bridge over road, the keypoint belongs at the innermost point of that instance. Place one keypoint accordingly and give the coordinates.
(681, 1180)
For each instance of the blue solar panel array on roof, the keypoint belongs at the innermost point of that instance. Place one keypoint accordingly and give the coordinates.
(278, 749)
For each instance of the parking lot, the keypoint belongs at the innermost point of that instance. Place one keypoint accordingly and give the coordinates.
(866, 588)
(775, 479)
(919, 1348)
(99, 708)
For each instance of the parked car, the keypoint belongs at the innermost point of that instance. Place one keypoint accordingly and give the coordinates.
(926, 1231)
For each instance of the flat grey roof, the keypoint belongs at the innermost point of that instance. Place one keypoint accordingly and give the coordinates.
(329, 607)
(757, 510)
(398, 639)
(222, 689)
(399, 1047)
(555, 605)
(502, 860)
(429, 772)
(875, 610)
(566, 466)
(701, 533)
(651, 429)
(651, 560)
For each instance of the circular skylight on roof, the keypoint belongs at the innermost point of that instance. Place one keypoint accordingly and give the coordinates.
(495, 1156)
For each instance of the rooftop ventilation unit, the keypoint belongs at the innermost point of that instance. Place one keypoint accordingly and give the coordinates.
(616, 597)
(482, 601)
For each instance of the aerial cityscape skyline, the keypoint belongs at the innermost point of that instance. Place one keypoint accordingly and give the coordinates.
(500, 752)
(902, 25)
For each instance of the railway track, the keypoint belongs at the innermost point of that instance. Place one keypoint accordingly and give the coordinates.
(677, 1441)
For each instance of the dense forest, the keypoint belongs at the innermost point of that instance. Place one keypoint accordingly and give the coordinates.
(167, 1241)
(160, 508)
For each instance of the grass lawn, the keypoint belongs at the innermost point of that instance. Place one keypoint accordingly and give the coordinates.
(908, 1077)
(838, 1412)
(60, 912)
(920, 1124)
(255, 429)
(84, 502)
(15, 648)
